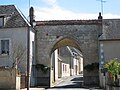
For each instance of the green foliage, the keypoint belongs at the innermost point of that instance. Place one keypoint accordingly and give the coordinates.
(113, 67)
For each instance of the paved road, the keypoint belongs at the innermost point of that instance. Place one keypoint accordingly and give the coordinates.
(71, 83)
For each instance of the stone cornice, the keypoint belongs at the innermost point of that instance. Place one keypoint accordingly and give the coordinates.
(69, 22)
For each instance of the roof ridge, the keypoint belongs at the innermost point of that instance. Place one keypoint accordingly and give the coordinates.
(69, 22)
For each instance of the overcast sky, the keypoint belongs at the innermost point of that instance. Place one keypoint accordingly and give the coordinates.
(67, 9)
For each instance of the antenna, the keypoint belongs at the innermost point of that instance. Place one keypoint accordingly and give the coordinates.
(101, 4)
(29, 10)
(29, 4)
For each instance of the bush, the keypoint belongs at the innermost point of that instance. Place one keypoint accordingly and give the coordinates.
(113, 67)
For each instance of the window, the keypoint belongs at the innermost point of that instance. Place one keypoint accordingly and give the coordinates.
(5, 47)
(1, 21)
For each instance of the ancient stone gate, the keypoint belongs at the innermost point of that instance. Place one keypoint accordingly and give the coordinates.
(81, 34)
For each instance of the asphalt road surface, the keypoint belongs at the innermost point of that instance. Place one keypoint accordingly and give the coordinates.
(72, 83)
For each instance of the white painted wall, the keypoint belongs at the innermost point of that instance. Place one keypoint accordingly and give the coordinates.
(32, 59)
(110, 49)
(56, 64)
(81, 64)
(31, 48)
(65, 69)
(17, 36)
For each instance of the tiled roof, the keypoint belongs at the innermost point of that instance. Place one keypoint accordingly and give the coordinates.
(111, 29)
(13, 17)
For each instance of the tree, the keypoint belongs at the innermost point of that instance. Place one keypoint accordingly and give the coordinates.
(17, 54)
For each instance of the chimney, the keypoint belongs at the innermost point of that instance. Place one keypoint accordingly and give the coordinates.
(99, 17)
(31, 15)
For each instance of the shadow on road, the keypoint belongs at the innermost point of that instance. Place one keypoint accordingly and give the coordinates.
(76, 82)
(77, 79)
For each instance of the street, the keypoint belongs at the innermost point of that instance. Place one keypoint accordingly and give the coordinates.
(70, 83)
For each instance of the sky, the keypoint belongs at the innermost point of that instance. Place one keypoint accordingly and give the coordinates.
(67, 9)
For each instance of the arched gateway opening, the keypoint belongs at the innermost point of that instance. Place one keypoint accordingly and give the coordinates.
(79, 34)
(66, 60)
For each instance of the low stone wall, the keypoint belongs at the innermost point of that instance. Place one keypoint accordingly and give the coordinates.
(8, 79)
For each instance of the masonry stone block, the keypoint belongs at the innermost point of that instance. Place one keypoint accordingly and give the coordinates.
(82, 35)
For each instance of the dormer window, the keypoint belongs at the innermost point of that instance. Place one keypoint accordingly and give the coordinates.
(1, 21)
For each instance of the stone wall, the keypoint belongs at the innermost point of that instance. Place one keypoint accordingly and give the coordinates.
(82, 35)
(8, 79)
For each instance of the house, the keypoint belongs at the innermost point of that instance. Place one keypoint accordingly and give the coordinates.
(110, 39)
(15, 32)
(109, 44)
(77, 61)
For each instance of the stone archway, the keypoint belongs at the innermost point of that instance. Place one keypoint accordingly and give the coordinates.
(84, 32)
(65, 41)
(61, 58)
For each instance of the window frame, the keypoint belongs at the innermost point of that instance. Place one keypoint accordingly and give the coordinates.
(8, 46)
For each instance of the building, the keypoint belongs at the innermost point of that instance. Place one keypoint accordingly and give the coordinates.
(110, 39)
(67, 61)
(109, 44)
(85, 35)
(14, 30)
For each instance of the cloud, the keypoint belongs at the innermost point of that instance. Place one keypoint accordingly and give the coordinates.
(111, 16)
(51, 2)
(55, 12)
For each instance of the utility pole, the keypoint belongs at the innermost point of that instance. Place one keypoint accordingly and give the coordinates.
(32, 25)
(29, 4)
(28, 54)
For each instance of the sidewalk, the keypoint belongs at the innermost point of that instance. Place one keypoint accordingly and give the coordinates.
(34, 89)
